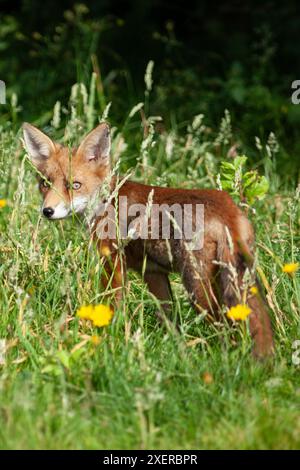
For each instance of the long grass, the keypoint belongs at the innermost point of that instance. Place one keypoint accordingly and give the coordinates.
(136, 384)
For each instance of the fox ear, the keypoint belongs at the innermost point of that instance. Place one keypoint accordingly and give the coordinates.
(96, 145)
(37, 144)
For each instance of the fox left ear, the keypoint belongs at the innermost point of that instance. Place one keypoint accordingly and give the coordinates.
(37, 144)
(96, 145)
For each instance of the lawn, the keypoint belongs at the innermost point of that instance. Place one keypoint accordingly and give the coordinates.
(137, 384)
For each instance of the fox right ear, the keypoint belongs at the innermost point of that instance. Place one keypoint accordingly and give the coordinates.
(37, 144)
(95, 147)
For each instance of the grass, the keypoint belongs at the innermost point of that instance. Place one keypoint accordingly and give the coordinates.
(142, 386)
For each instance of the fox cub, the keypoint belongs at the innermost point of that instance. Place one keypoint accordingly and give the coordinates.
(214, 270)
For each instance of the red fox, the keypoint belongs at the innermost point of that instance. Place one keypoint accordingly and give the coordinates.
(214, 273)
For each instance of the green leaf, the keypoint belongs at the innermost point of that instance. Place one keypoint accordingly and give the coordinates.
(52, 369)
(257, 190)
(64, 358)
(249, 178)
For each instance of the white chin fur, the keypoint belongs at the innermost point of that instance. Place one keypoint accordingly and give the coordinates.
(79, 204)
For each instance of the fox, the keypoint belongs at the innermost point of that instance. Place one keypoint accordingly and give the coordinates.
(213, 274)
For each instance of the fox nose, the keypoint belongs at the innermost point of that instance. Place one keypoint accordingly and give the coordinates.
(48, 212)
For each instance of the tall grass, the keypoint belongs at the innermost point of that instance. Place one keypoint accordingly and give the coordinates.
(136, 384)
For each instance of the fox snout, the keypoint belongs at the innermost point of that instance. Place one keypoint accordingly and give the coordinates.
(48, 212)
(54, 212)
(63, 209)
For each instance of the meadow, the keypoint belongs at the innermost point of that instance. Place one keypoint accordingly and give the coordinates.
(136, 384)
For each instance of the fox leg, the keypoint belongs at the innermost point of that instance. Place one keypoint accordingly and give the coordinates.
(198, 276)
(259, 320)
(200, 291)
(260, 326)
(159, 285)
(113, 270)
(233, 293)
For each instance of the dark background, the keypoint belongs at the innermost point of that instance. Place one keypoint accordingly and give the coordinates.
(208, 57)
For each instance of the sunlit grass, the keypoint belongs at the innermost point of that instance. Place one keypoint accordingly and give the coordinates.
(65, 383)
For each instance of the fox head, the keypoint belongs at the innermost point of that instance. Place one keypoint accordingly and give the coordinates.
(68, 178)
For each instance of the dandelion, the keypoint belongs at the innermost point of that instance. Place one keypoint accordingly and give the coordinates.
(254, 290)
(207, 378)
(105, 251)
(95, 340)
(100, 315)
(239, 312)
(31, 290)
(3, 203)
(290, 268)
(85, 312)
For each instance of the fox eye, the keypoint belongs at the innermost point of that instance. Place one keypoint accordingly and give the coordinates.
(76, 185)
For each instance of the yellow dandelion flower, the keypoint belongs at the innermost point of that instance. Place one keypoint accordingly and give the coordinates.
(105, 251)
(85, 312)
(31, 290)
(239, 312)
(102, 315)
(290, 268)
(95, 340)
(254, 290)
(207, 378)
(3, 203)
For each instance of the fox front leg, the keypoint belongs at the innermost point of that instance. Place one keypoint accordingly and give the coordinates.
(113, 271)
(159, 285)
